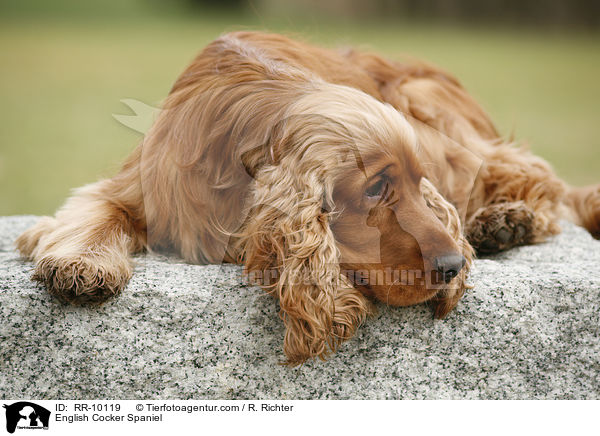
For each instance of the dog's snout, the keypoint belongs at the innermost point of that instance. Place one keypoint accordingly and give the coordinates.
(449, 265)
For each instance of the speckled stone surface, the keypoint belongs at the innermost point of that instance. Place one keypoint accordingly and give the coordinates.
(529, 329)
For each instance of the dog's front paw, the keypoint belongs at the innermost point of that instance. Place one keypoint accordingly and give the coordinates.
(500, 227)
(82, 279)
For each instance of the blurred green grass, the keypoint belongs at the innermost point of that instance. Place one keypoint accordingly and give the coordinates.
(60, 81)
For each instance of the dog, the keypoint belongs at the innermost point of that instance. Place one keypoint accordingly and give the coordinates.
(335, 177)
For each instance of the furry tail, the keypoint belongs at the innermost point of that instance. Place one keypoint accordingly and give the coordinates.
(585, 204)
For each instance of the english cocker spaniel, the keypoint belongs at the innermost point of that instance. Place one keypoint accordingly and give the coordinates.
(334, 177)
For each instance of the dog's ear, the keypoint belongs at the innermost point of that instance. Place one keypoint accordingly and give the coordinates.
(288, 246)
(448, 298)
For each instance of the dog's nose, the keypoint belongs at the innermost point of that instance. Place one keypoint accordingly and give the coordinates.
(449, 265)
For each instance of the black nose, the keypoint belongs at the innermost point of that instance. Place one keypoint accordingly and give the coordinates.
(449, 265)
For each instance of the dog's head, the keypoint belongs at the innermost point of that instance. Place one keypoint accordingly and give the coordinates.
(343, 200)
(393, 245)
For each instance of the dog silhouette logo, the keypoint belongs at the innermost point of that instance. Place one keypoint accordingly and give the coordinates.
(26, 415)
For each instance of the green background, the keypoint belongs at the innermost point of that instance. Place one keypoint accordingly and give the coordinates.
(66, 65)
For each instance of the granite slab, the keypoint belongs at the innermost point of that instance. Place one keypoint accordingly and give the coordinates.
(529, 329)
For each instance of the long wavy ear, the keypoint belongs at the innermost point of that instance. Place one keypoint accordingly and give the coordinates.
(448, 298)
(289, 249)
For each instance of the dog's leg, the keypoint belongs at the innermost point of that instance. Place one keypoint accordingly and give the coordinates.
(83, 255)
(518, 200)
(585, 205)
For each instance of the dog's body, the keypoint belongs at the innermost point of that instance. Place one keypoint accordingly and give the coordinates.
(282, 156)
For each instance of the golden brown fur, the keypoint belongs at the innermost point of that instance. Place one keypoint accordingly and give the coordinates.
(283, 156)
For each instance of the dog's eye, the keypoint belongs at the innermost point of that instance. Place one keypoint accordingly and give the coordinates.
(378, 188)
